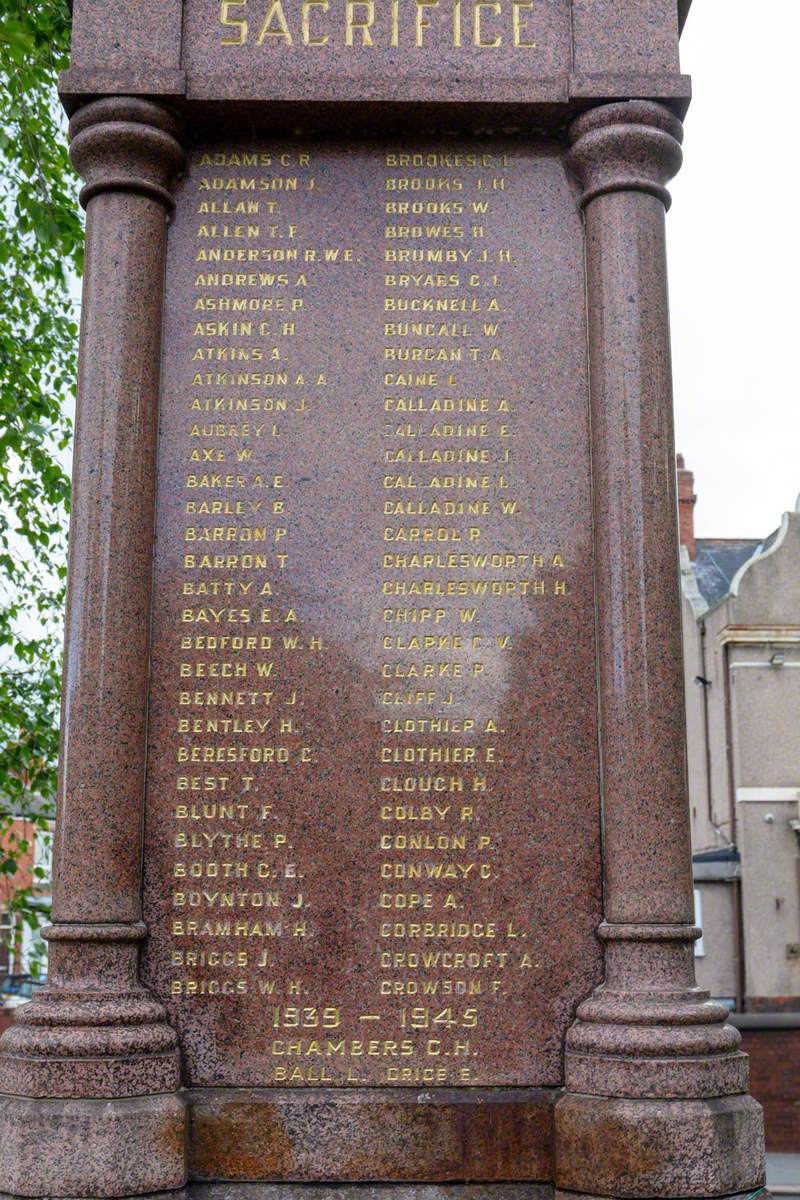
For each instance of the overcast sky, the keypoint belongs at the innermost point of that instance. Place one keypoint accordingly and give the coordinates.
(734, 252)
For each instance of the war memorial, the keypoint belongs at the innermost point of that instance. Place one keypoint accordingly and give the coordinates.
(372, 868)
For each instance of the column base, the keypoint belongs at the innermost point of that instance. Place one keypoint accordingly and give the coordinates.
(79, 1149)
(631, 1149)
(180, 1194)
(94, 1031)
(656, 1102)
(559, 1195)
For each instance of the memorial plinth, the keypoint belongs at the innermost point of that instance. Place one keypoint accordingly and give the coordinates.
(373, 620)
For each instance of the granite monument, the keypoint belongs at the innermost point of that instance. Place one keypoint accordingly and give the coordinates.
(373, 623)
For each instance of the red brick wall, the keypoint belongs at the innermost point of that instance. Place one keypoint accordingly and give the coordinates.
(775, 1083)
(20, 831)
(686, 503)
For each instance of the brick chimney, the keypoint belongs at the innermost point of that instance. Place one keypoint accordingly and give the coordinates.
(686, 502)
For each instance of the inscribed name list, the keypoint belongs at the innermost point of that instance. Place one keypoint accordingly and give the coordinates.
(372, 835)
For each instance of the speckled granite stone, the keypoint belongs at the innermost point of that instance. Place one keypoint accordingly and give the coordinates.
(466, 1191)
(659, 1148)
(92, 1148)
(655, 1102)
(648, 1031)
(570, 54)
(95, 1031)
(545, 874)
(401, 1191)
(369, 1134)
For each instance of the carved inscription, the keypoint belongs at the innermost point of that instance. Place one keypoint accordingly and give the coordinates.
(518, 48)
(483, 24)
(372, 831)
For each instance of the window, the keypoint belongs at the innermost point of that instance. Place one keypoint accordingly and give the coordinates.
(6, 925)
(699, 948)
(43, 854)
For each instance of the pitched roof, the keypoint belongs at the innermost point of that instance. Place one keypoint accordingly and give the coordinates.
(28, 808)
(716, 562)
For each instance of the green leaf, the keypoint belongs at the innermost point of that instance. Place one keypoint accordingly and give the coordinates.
(40, 258)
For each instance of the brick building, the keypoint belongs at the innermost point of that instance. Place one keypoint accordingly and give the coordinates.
(741, 610)
(32, 848)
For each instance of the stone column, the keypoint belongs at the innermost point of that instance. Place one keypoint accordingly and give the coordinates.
(90, 1072)
(655, 1101)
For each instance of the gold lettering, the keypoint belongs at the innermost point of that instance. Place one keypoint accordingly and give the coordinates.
(274, 13)
(360, 17)
(225, 18)
(457, 22)
(364, 25)
(305, 15)
(421, 22)
(516, 23)
(477, 37)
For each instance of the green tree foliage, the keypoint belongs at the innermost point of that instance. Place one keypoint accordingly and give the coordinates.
(40, 258)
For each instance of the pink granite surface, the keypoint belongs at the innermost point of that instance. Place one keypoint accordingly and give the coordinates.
(535, 884)
(533, 56)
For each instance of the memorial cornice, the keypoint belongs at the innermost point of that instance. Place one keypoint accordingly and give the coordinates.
(528, 65)
(416, 101)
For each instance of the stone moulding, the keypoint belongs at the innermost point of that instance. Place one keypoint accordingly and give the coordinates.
(586, 52)
(357, 1135)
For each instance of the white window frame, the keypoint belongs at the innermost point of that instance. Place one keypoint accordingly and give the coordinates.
(7, 927)
(699, 946)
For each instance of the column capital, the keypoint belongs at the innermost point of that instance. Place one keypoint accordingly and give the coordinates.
(633, 146)
(122, 144)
